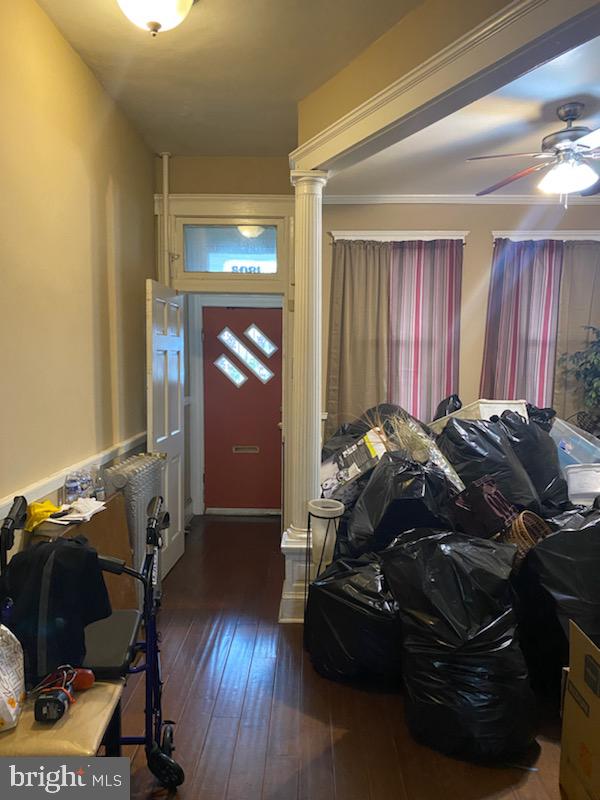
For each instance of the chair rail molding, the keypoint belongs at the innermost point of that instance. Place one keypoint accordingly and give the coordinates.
(518, 38)
(51, 483)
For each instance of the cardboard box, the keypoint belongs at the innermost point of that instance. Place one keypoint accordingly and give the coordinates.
(580, 747)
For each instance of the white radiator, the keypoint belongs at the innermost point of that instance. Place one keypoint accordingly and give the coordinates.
(140, 478)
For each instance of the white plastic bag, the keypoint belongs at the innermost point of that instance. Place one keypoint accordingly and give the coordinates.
(12, 679)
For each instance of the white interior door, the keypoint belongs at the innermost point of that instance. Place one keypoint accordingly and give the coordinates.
(165, 397)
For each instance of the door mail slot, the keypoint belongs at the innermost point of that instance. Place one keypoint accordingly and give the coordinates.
(245, 448)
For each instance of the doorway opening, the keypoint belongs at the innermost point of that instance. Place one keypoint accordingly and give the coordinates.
(235, 345)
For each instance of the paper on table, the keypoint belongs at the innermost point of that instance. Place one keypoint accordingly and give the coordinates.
(82, 510)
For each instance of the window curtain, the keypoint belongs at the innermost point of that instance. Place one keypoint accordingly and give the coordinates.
(394, 326)
(522, 321)
(424, 324)
(579, 306)
(358, 330)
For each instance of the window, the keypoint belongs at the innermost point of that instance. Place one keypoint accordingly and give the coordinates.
(234, 249)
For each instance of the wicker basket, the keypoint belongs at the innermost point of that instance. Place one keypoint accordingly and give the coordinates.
(525, 532)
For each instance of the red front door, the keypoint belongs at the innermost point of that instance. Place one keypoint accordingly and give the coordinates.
(242, 408)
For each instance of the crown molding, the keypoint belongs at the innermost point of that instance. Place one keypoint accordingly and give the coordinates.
(507, 44)
(455, 199)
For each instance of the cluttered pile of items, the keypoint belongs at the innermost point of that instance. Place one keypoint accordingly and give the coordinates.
(464, 549)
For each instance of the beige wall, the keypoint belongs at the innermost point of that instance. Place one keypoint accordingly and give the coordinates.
(480, 220)
(227, 175)
(77, 242)
(423, 32)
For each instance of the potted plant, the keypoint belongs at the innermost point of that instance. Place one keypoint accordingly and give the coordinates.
(584, 366)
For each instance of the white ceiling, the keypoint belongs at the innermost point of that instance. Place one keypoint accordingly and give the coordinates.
(226, 82)
(513, 119)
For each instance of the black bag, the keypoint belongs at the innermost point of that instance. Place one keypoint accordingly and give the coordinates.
(559, 581)
(480, 448)
(400, 495)
(448, 406)
(349, 496)
(543, 417)
(467, 689)
(537, 452)
(351, 628)
(482, 510)
(57, 589)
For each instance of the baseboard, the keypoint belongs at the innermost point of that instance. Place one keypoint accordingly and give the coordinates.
(243, 512)
(50, 484)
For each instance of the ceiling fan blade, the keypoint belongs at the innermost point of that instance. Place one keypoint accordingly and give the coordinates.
(512, 155)
(591, 140)
(517, 176)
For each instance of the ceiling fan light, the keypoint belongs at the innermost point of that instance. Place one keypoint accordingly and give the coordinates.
(156, 15)
(567, 177)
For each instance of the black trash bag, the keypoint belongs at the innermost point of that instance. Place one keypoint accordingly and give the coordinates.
(57, 589)
(543, 417)
(351, 627)
(448, 406)
(348, 496)
(380, 414)
(558, 581)
(571, 518)
(467, 688)
(400, 495)
(482, 510)
(480, 449)
(537, 452)
(338, 442)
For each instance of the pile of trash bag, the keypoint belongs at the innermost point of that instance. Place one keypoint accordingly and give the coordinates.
(480, 448)
(422, 587)
(467, 688)
(558, 581)
(352, 630)
(538, 455)
(400, 495)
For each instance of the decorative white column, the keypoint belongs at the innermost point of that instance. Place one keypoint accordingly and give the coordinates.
(303, 429)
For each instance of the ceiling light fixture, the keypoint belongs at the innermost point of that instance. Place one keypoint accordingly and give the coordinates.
(570, 175)
(251, 231)
(156, 15)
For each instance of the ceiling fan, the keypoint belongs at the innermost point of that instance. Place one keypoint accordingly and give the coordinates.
(564, 158)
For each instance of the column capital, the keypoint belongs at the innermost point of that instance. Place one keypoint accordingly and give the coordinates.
(308, 179)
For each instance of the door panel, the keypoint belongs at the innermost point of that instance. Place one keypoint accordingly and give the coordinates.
(165, 389)
(242, 407)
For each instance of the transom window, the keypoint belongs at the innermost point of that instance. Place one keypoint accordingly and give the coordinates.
(234, 249)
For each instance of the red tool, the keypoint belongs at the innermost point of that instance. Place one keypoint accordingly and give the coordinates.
(55, 692)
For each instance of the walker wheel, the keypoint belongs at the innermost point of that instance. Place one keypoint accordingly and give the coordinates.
(162, 766)
(167, 746)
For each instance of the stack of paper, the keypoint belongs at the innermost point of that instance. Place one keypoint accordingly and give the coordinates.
(82, 510)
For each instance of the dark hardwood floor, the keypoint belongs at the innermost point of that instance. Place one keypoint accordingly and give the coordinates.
(255, 722)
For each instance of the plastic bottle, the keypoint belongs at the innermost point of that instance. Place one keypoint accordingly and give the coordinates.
(72, 488)
(99, 487)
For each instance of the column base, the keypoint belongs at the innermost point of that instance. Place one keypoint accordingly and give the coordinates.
(293, 547)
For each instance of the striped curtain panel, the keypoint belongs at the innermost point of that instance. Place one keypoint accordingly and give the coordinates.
(425, 288)
(522, 321)
(393, 327)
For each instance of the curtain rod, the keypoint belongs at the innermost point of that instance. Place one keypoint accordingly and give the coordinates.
(561, 236)
(397, 236)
